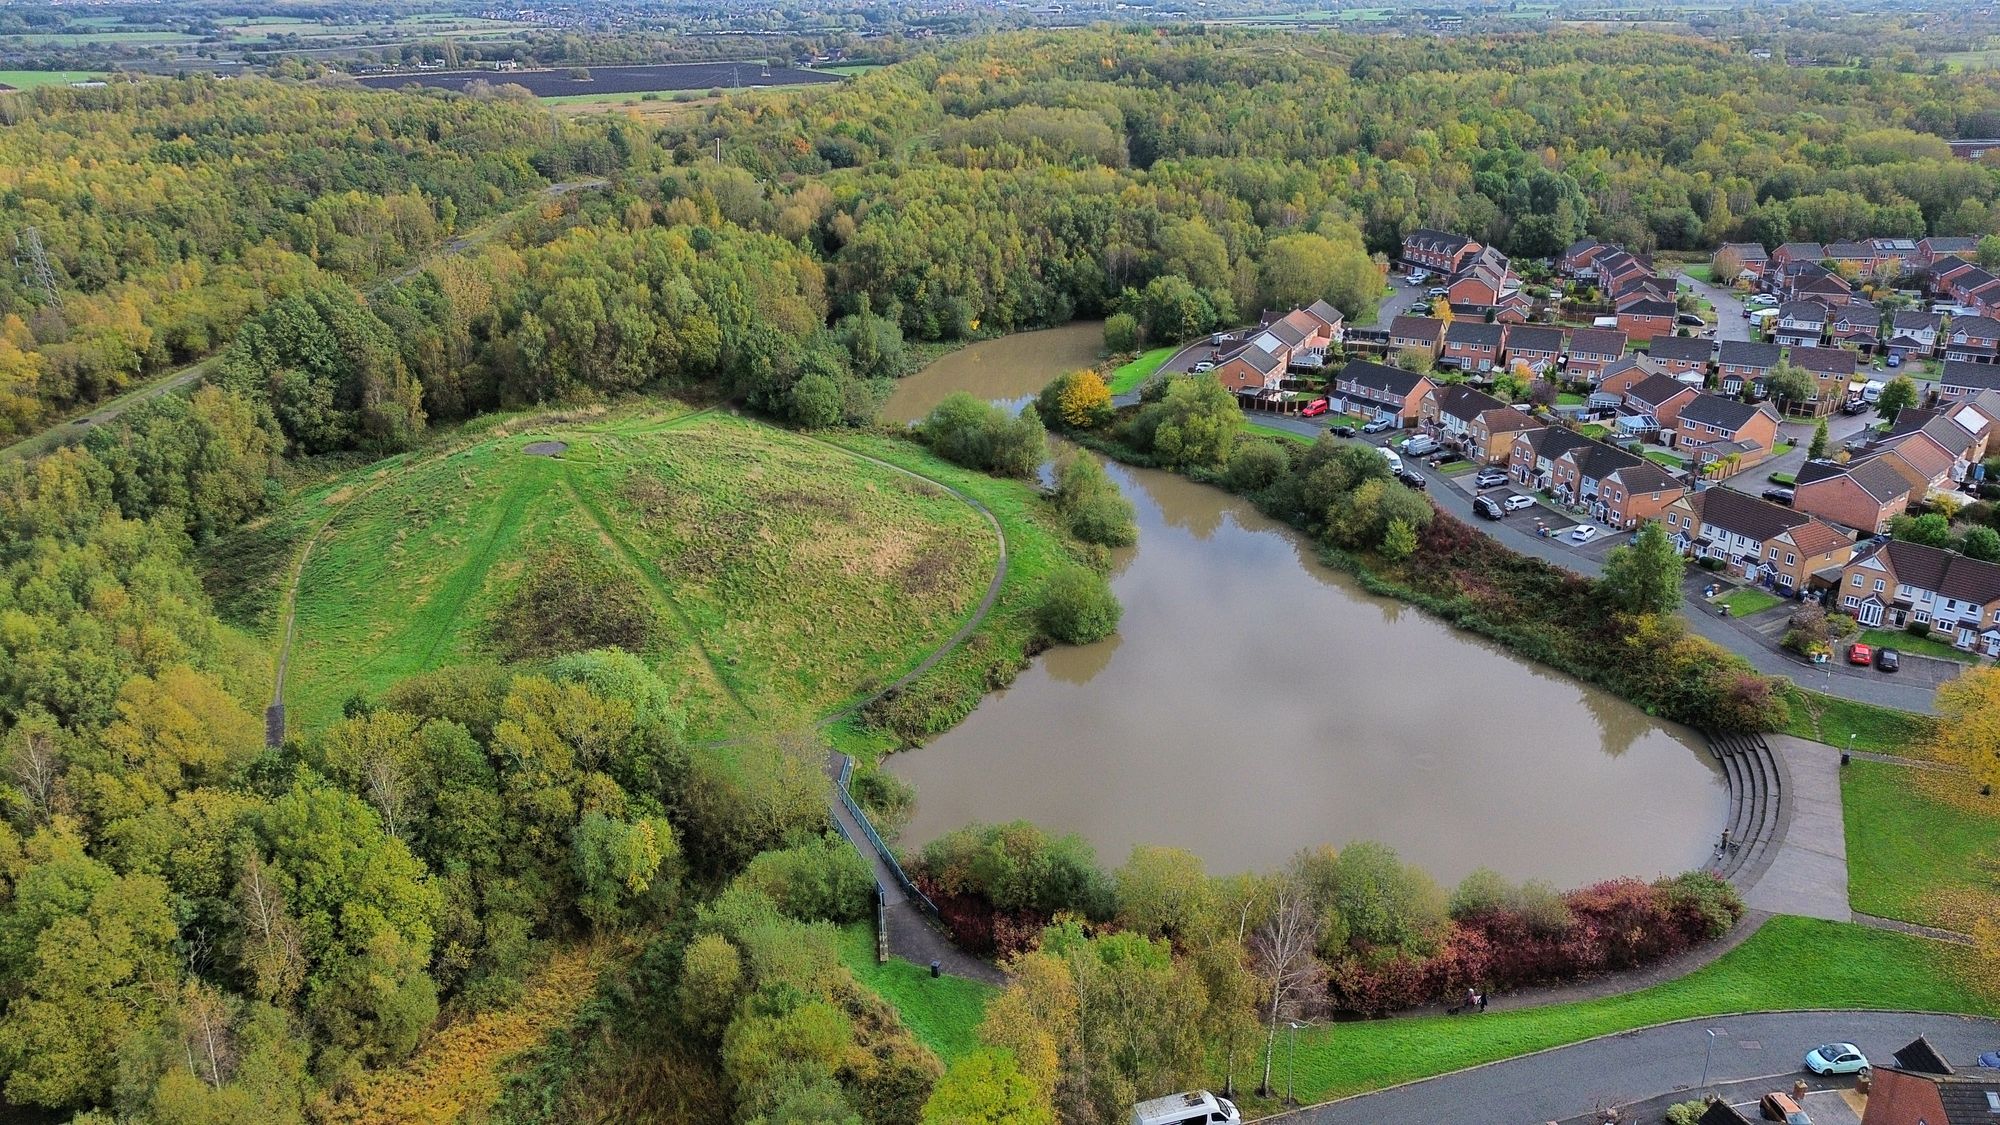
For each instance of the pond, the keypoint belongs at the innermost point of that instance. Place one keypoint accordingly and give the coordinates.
(1255, 702)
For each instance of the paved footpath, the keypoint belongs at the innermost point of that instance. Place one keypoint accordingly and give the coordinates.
(1628, 1067)
(1808, 872)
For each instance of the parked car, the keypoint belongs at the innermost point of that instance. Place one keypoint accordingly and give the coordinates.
(1421, 308)
(1779, 496)
(1204, 365)
(1379, 426)
(1315, 408)
(1341, 430)
(1416, 445)
(1781, 1107)
(1762, 301)
(1888, 660)
(1517, 501)
(1895, 360)
(1837, 1058)
(1436, 291)
(1414, 479)
(1418, 277)
(1861, 656)
(1490, 478)
(1689, 320)
(1198, 1107)
(1488, 507)
(1852, 407)
(1582, 533)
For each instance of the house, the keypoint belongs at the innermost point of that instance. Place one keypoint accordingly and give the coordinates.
(1590, 350)
(1644, 319)
(1437, 250)
(1972, 339)
(1824, 286)
(1575, 261)
(1962, 379)
(1741, 365)
(1626, 372)
(1864, 494)
(1575, 469)
(1856, 259)
(1960, 433)
(1894, 257)
(1483, 280)
(1756, 539)
(1282, 339)
(1307, 332)
(1914, 335)
(1251, 369)
(1331, 321)
(1930, 250)
(1421, 333)
(1492, 434)
(1752, 257)
(1856, 326)
(1971, 286)
(1921, 1088)
(1535, 348)
(1801, 323)
(1661, 397)
(1619, 269)
(1682, 354)
(1631, 495)
(1642, 287)
(1379, 387)
(1897, 584)
(1725, 432)
(1793, 252)
(1473, 346)
(1832, 370)
(1452, 410)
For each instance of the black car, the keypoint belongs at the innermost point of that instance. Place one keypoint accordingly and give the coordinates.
(1887, 660)
(1779, 496)
(1488, 507)
(1341, 431)
(1414, 480)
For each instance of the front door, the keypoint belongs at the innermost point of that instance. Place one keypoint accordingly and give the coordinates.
(1870, 614)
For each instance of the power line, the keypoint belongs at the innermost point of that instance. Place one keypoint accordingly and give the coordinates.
(28, 243)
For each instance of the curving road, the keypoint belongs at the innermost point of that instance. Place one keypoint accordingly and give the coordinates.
(1634, 1065)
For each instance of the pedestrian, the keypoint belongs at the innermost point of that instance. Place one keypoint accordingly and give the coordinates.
(1724, 846)
(1482, 998)
(1471, 999)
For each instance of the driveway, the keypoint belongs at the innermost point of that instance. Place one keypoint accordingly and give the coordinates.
(1729, 322)
(1628, 1067)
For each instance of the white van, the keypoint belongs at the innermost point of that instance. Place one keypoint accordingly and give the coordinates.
(1872, 390)
(1198, 1107)
(1419, 445)
(1389, 455)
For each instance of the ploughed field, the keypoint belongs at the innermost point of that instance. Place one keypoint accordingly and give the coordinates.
(614, 79)
(771, 578)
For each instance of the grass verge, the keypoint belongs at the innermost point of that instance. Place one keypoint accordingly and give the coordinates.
(1790, 963)
(1919, 849)
(1744, 602)
(1127, 377)
(1832, 720)
(1922, 646)
(944, 1013)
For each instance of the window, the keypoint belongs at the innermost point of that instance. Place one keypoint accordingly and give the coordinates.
(1921, 616)
(1790, 558)
(1850, 601)
(1857, 580)
(1878, 585)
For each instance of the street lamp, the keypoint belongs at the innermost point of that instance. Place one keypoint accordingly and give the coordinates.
(1706, 1054)
(1291, 1060)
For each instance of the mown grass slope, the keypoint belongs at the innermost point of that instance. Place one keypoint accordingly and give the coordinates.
(786, 577)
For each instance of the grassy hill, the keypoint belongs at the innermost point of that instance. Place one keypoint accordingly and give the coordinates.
(772, 578)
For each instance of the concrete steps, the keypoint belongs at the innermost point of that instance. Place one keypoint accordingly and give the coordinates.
(1751, 773)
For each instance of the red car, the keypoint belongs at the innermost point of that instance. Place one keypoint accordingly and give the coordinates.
(1314, 409)
(1860, 654)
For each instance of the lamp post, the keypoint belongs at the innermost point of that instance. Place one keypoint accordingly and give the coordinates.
(1291, 1060)
(1849, 755)
(1706, 1054)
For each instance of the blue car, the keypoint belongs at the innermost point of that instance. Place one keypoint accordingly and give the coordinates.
(1836, 1058)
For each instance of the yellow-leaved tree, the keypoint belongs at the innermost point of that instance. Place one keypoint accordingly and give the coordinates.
(1968, 726)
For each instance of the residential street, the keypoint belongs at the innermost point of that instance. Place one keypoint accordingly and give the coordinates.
(1625, 1068)
(1729, 322)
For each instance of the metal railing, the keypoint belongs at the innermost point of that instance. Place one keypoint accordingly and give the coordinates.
(875, 840)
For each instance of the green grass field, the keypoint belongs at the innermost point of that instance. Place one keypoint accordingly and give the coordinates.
(1924, 646)
(1129, 376)
(787, 577)
(1833, 720)
(1744, 602)
(943, 1013)
(1700, 271)
(1790, 963)
(130, 38)
(1918, 850)
(852, 70)
(29, 79)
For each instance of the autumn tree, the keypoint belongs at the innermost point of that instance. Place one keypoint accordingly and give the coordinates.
(1968, 726)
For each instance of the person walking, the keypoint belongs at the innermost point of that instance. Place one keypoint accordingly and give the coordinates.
(1483, 996)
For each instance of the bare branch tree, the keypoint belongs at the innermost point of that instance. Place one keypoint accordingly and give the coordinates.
(388, 786)
(1282, 954)
(36, 768)
(271, 949)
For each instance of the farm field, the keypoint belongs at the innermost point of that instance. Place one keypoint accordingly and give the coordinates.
(616, 79)
(29, 79)
(129, 38)
(775, 578)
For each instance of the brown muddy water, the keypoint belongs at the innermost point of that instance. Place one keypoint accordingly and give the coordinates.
(1255, 702)
(1009, 370)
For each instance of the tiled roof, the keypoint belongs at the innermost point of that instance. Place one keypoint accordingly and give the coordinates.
(1648, 307)
(1379, 377)
(1724, 413)
(1436, 241)
(1981, 327)
(1809, 312)
(1646, 477)
(1824, 361)
(1748, 251)
(1916, 321)
(1922, 1058)
(1466, 403)
(1474, 334)
(1325, 313)
(1507, 420)
(1878, 478)
(1416, 328)
(1951, 245)
(1812, 251)
(1816, 537)
(1689, 349)
(1597, 341)
(1744, 514)
(1744, 353)
(1945, 572)
(1530, 338)
(1656, 389)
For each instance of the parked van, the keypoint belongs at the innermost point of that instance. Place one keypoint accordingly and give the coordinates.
(1419, 445)
(1198, 1107)
(1389, 455)
(1872, 390)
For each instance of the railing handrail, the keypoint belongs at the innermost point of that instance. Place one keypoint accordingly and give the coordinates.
(875, 839)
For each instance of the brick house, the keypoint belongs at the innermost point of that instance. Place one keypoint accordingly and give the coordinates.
(1629, 496)
(1419, 332)
(1717, 430)
(1898, 584)
(1856, 326)
(1575, 261)
(1618, 269)
(1832, 370)
(1590, 350)
(1438, 250)
(1251, 369)
(1914, 335)
(1661, 396)
(1379, 387)
(1536, 348)
(1757, 540)
(1644, 319)
(1452, 410)
(1753, 257)
(1483, 280)
(1958, 432)
(1472, 346)
(1864, 494)
(1681, 355)
(1626, 372)
(1800, 323)
(1962, 380)
(1793, 252)
(1825, 286)
(1930, 250)
(1577, 467)
(1742, 365)
(1972, 339)
(1492, 434)
(1921, 1088)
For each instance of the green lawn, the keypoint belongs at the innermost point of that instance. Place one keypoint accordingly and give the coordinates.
(29, 79)
(1568, 399)
(1595, 430)
(1263, 426)
(1746, 601)
(1700, 271)
(1909, 642)
(852, 69)
(1832, 720)
(1914, 854)
(1670, 460)
(1790, 963)
(1786, 479)
(1129, 376)
(944, 1013)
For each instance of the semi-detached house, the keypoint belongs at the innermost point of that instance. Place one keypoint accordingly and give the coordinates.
(1381, 388)
(1832, 371)
(1536, 348)
(1898, 584)
(1419, 333)
(1742, 363)
(1591, 350)
(1618, 488)
(1682, 355)
(1472, 346)
(1864, 494)
(1758, 540)
(1726, 433)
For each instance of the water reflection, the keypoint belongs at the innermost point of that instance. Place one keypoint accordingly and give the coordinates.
(1255, 702)
(1010, 370)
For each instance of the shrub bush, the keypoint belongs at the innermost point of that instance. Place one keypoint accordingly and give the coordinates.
(1092, 506)
(979, 435)
(997, 885)
(1078, 606)
(1686, 1113)
(1075, 400)
(822, 880)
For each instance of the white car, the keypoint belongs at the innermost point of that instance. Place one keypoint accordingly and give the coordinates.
(1204, 365)
(1437, 291)
(1517, 501)
(1379, 425)
(1836, 1058)
(1582, 533)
